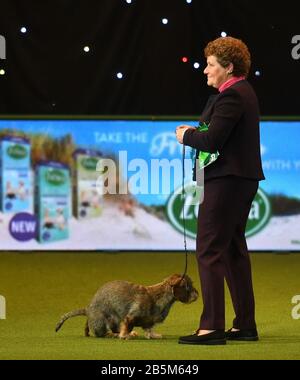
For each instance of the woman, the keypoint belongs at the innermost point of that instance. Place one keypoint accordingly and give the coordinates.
(230, 185)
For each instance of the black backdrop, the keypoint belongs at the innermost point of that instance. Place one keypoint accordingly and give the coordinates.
(47, 71)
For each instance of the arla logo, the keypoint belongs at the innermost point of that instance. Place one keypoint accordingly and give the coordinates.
(259, 214)
(89, 163)
(55, 177)
(178, 211)
(17, 152)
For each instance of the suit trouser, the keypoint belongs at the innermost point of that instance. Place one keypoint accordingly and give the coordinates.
(222, 251)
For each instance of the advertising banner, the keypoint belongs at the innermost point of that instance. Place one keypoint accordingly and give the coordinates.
(117, 185)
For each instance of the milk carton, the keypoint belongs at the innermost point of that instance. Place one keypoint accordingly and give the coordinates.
(88, 202)
(15, 183)
(52, 202)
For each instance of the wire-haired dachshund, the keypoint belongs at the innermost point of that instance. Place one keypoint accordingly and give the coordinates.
(118, 306)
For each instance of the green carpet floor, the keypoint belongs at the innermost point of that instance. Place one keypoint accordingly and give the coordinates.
(39, 288)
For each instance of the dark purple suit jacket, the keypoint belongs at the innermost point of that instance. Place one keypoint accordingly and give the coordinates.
(233, 118)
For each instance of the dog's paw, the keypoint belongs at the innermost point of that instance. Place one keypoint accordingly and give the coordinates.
(152, 335)
(132, 334)
(123, 336)
(111, 335)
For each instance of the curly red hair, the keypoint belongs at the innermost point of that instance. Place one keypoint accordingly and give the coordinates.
(230, 50)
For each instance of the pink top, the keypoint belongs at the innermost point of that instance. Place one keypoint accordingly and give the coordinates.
(230, 82)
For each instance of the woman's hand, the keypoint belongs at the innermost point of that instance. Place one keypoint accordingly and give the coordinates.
(180, 130)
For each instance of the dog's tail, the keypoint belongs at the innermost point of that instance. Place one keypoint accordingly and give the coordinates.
(71, 314)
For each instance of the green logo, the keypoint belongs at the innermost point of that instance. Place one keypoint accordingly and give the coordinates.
(89, 163)
(259, 214)
(55, 177)
(18, 152)
(177, 211)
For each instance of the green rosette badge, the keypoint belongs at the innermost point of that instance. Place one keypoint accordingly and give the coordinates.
(206, 158)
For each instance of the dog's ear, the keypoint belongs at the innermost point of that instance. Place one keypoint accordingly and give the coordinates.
(174, 279)
(181, 293)
(180, 287)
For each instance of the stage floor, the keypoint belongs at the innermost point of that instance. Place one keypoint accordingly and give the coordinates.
(40, 287)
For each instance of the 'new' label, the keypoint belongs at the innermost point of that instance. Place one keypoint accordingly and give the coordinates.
(23, 226)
